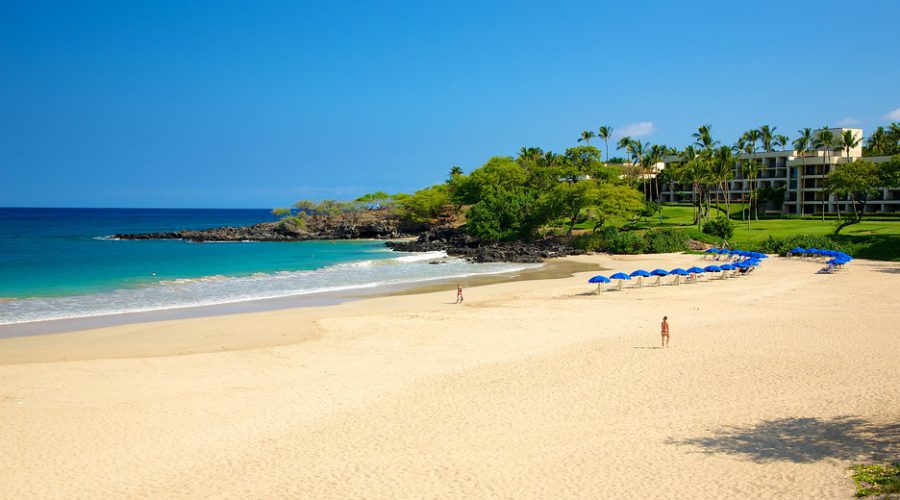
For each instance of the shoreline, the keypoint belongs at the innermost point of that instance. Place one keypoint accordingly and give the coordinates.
(774, 380)
(551, 269)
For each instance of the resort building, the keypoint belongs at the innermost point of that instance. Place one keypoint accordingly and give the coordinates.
(791, 183)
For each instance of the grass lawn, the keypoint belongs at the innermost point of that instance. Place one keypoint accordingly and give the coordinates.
(875, 238)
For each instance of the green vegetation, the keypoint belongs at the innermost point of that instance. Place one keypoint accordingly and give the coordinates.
(721, 226)
(613, 205)
(876, 479)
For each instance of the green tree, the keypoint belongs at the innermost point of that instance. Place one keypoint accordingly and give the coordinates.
(721, 226)
(568, 200)
(605, 133)
(425, 204)
(781, 141)
(615, 201)
(801, 147)
(825, 141)
(857, 181)
(722, 172)
(281, 213)
(767, 137)
(586, 136)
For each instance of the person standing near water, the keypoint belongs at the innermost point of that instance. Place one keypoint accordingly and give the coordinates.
(665, 331)
(459, 297)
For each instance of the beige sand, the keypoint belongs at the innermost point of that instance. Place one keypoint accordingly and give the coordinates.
(774, 384)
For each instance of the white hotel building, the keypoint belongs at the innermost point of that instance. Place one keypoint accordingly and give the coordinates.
(801, 177)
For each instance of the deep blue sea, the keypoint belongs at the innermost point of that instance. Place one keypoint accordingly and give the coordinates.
(62, 263)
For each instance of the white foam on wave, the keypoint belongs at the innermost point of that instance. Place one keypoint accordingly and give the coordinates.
(215, 290)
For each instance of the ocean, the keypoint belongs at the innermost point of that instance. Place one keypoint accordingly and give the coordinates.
(63, 263)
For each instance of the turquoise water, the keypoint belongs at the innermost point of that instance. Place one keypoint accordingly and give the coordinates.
(61, 263)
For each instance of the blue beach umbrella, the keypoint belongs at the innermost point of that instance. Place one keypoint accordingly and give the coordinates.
(599, 280)
(695, 270)
(659, 273)
(640, 274)
(712, 250)
(678, 272)
(727, 267)
(798, 250)
(712, 269)
(621, 277)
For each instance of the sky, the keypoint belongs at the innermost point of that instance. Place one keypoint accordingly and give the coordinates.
(259, 104)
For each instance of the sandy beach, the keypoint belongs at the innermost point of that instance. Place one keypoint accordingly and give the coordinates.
(773, 385)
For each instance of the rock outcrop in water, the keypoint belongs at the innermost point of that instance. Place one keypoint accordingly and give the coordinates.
(440, 238)
(459, 244)
(288, 230)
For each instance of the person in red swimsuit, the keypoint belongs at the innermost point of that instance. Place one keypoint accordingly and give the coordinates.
(665, 331)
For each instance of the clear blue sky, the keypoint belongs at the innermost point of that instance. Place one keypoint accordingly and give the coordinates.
(238, 104)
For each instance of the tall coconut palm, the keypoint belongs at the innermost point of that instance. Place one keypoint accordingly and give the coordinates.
(635, 150)
(801, 148)
(878, 142)
(703, 137)
(722, 171)
(605, 133)
(656, 155)
(586, 136)
(752, 168)
(687, 174)
(767, 137)
(825, 141)
(847, 141)
(781, 141)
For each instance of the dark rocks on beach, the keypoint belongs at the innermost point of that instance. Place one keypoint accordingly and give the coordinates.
(459, 244)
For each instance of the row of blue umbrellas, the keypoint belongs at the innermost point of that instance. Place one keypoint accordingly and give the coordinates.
(640, 273)
(837, 258)
(740, 253)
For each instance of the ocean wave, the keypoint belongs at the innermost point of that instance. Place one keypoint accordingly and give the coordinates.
(217, 289)
(107, 238)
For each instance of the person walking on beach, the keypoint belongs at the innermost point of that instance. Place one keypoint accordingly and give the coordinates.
(459, 297)
(665, 331)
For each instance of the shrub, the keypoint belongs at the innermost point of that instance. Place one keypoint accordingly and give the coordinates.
(782, 245)
(721, 226)
(664, 241)
(626, 242)
(590, 242)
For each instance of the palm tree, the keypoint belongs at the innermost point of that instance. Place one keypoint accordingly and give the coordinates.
(635, 149)
(848, 140)
(703, 138)
(752, 168)
(878, 142)
(825, 140)
(586, 136)
(722, 171)
(605, 133)
(781, 141)
(801, 146)
(767, 136)
(656, 155)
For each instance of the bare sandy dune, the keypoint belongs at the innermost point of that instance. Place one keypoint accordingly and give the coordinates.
(774, 384)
